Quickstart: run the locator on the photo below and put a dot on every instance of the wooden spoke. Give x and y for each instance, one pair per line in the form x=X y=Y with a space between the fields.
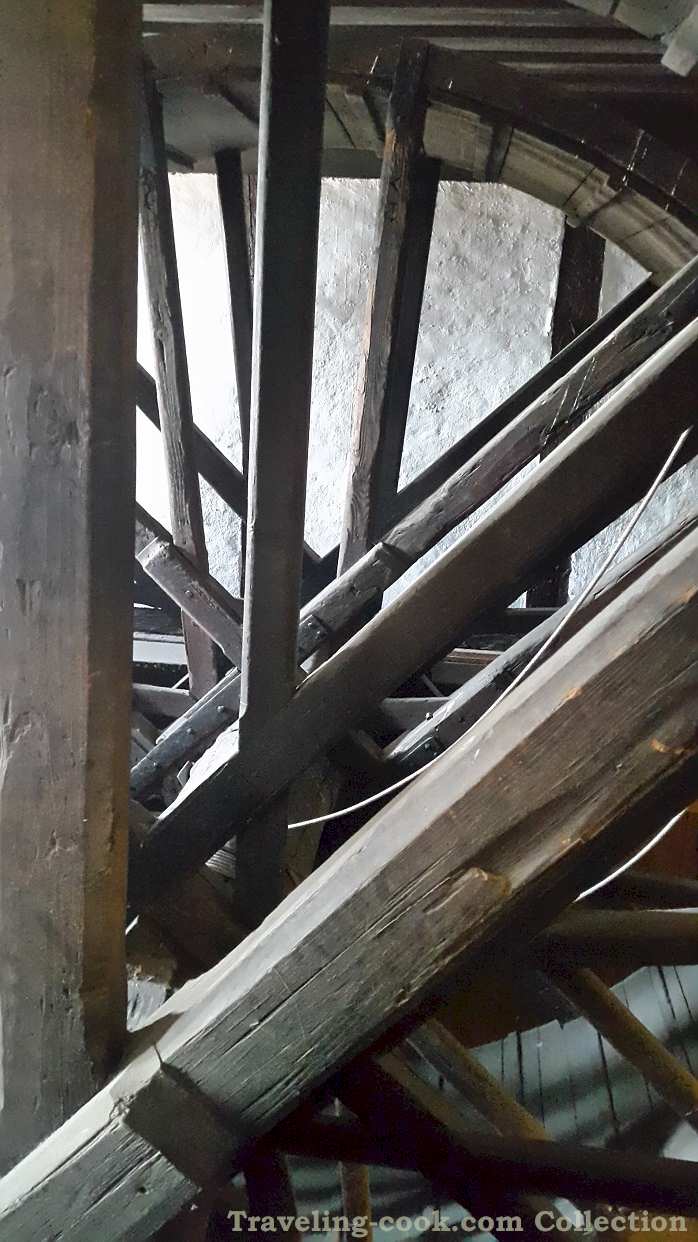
x=642 y=889
x=174 y=397
x=614 y=461
x=68 y=244
x=231 y=194
x=408 y=189
x=293 y=100
x=621 y=1028
x=406 y=899
x=200 y=597
x=632 y=938
x=456 y=714
x=576 y=308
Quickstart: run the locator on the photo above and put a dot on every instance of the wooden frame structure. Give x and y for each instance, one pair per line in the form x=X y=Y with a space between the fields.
x=305 y=685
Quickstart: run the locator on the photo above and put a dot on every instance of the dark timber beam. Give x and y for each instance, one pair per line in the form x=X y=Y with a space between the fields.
x=450 y=719
x=592 y=477
x=558 y=784
x=294 y=62
x=632 y=937
x=637 y=889
x=329 y=615
x=200 y=597
x=172 y=376
x=68 y=249
x=408 y=188
x=576 y=308
x=670 y=1079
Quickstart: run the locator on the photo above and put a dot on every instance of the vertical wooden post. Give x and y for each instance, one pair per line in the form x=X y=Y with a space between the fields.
x=68 y=237
x=576 y=308
x=238 y=238
x=409 y=184
x=172 y=375
x=294 y=62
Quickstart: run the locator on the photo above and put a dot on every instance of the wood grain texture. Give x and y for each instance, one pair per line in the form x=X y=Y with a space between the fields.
x=232 y=201
x=503 y=828
x=68 y=238
x=600 y=470
x=407 y=201
x=294 y=63
x=577 y=297
x=172 y=375
x=217 y=613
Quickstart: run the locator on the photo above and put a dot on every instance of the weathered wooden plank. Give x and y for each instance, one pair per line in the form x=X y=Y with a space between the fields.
x=507 y=823
x=68 y=238
x=172 y=376
x=161 y=700
x=217 y=613
x=669 y=1077
x=632 y=938
x=294 y=61
x=600 y=470
x=576 y=308
x=451 y=719
x=407 y=202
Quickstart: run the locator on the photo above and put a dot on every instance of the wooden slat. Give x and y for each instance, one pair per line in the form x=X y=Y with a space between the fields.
x=68 y=239
x=638 y=889
x=451 y=719
x=231 y=195
x=407 y=202
x=556 y=786
x=172 y=376
x=200 y=597
x=576 y=308
x=288 y=209
x=600 y=470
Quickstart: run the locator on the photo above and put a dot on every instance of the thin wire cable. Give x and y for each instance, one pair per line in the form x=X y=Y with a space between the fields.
x=535 y=658
x=649 y=845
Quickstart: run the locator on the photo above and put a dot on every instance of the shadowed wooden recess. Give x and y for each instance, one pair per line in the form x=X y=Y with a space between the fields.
x=318 y=945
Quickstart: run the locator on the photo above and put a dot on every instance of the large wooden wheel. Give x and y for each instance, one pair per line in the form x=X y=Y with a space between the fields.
x=327 y=945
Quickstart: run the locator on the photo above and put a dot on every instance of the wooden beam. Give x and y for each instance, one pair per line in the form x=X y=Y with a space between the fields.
x=294 y=61
x=600 y=470
x=632 y=937
x=676 y=1086
x=644 y=890
x=231 y=196
x=68 y=248
x=200 y=597
x=452 y=718
x=161 y=700
x=172 y=376
x=631 y=1178
x=332 y=612
x=434 y=878
x=579 y=279
x=408 y=188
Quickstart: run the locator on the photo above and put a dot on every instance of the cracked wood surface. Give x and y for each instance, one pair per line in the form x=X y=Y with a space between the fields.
x=494 y=836
x=68 y=238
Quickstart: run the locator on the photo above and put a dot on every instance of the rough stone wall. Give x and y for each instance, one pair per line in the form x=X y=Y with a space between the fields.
x=485 y=329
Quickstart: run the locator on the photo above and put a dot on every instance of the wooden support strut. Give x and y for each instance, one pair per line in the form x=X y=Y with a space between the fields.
x=333 y=610
x=174 y=397
x=427 y=885
x=577 y=298
x=615 y=462
x=68 y=249
x=452 y=718
x=294 y=62
x=632 y=938
x=408 y=188
x=217 y=613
